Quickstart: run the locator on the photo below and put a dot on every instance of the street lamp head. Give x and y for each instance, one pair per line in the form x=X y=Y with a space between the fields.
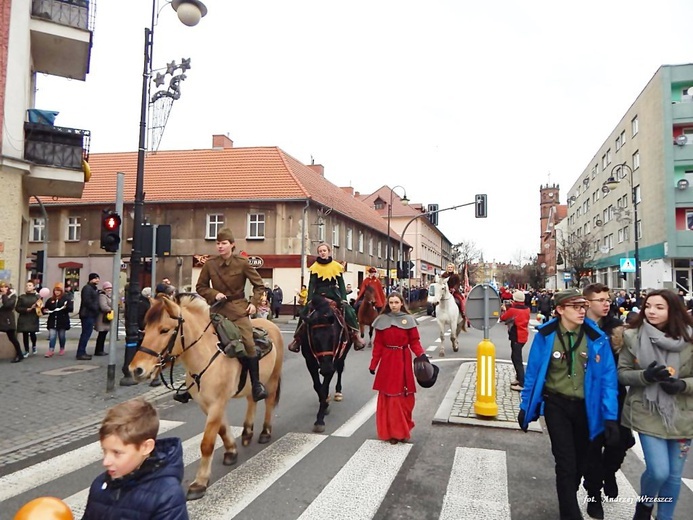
x=404 y=200
x=610 y=184
x=189 y=11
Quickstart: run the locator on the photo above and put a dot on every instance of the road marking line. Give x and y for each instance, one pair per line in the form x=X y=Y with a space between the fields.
x=356 y=421
x=191 y=453
x=232 y=493
x=52 y=469
x=478 y=486
x=621 y=509
x=359 y=488
x=431 y=348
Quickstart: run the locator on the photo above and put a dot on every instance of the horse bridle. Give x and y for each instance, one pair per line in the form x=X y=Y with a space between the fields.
x=337 y=351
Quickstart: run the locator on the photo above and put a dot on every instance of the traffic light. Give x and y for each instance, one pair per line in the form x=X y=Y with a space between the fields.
x=624 y=276
x=110 y=231
x=480 y=206
x=36 y=265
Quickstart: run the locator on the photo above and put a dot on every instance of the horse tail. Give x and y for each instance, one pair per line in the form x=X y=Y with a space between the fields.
x=277 y=394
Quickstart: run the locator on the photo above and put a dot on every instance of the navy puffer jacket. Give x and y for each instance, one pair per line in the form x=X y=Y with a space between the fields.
x=152 y=492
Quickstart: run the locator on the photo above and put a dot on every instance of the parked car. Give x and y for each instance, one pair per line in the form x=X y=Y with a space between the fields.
x=432 y=301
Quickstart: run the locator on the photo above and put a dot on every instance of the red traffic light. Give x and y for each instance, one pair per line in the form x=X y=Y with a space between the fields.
x=111 y=222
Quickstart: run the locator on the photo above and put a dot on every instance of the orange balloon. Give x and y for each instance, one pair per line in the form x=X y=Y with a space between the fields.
x=44 y=508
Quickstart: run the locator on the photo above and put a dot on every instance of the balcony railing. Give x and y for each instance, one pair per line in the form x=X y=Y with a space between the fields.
x=74 y=13
x=56 y=146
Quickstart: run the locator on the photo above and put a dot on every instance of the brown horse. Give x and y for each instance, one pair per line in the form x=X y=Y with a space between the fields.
x=367 y=313
x=183 y=330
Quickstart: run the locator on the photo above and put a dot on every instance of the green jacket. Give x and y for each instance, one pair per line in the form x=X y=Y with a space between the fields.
x=636 y=415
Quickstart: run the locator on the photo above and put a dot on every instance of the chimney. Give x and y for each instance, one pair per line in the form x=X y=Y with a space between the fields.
x=348 y=190
x=317 y=168
x=221 y=142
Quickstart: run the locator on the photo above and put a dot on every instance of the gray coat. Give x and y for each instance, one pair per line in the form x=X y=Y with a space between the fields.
x=636 y=414
x=28 y=320
x=105 y=305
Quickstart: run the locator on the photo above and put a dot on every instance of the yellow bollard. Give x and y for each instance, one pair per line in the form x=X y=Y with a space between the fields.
x=485 y=403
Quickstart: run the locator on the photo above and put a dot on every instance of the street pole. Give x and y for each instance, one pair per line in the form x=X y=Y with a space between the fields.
x=115 y=294
x=387 y=253
x=635 y=232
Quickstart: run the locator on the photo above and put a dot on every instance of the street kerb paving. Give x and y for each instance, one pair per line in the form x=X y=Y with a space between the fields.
x=458 y=404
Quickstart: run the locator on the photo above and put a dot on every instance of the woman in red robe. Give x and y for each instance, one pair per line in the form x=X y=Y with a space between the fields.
x=396 y=338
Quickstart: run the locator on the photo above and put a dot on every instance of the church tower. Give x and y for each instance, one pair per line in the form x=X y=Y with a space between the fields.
x=547 y=234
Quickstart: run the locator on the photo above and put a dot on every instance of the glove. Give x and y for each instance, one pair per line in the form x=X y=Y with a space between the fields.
x=612 y=433
x=372 y=371
x=673 y=386
x=521 y=420
x=655 y=372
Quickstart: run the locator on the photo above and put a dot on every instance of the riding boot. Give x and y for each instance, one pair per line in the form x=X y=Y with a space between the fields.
x=295 y=345
x=356 y=339
x=259 y=391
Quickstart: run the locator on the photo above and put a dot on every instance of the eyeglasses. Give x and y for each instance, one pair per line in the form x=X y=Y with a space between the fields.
x=601 y=300
x=578 y=306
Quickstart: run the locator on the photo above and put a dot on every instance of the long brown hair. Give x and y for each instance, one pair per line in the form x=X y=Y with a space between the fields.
x=679 y=322
x=386 y=307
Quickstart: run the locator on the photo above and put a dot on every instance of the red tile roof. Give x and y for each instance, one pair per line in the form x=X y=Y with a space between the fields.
x=228 y=174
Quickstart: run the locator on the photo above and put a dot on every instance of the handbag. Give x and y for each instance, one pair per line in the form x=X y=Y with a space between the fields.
x=108 y=316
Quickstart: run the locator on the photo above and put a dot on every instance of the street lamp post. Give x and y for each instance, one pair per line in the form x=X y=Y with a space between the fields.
x=611 y=183
x=405 y=201
x=189 y=13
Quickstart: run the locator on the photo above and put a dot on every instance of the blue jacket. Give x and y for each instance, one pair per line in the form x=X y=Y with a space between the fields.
x=151 y=492
x=601 y=382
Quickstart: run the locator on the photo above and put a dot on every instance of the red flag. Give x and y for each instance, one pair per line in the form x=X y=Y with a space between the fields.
x=467 y=287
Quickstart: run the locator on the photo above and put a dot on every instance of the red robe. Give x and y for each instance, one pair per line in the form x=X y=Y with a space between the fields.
x=395 y=381
x=377 y=290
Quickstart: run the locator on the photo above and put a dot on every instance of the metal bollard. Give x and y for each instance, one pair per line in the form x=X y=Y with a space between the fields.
x=485 y=403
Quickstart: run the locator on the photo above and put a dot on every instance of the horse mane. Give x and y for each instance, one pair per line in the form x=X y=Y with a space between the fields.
x=189 y=301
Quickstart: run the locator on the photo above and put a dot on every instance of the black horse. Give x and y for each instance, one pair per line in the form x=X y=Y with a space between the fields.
x=324 y=345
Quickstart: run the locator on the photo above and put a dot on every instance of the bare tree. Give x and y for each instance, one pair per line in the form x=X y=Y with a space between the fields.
x=577 y=253
x=467 y=253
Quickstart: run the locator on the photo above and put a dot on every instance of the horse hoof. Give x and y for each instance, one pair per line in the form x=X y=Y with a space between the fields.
x=441 y=354
x=230 y=458
x=455 y=348
x=264 y=438
x=195 y=492
x=318 y=428
x=245 y=439
x=338 y=397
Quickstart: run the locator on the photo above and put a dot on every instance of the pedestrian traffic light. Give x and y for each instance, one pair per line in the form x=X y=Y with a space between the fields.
x=480 y=206
x=110 y=231
x=623 y=275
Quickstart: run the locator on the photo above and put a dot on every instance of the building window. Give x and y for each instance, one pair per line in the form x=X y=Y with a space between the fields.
x=689 y=220
x=360 y=242
x=321 y=232
x=74 y=229
x=618 y=143
x=370 y=246
x=335 y=235
x=634 y=126
x=620 y=236
x=379 y=204
x=608 y=157
x=626 y=233
x=637 y=194
x=638 y=229
x=256 y=226
x=37 y=230
x=623 y=138
x=380 y=249
x=350 y=239
x=595 y=170
x=595 y=196
x=636 y=160
x=215 y=221
x=604 y=162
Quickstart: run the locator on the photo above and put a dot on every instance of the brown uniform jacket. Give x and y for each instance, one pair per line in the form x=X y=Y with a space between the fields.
x=229 y=277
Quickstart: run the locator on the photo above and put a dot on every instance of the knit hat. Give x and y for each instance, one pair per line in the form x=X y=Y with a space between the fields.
x=107 y=285
x=146 y=292
x=93 y=276
x=372 y=270
x=519 y=296
x=58 y=286
x=568 y=295
x=225 y=234
x=161 y=287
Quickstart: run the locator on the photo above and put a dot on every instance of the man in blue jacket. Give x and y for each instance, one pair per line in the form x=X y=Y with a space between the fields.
x=571 y=380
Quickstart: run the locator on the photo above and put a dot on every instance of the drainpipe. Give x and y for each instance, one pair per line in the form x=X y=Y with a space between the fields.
x=44 y=276
x=304 y=259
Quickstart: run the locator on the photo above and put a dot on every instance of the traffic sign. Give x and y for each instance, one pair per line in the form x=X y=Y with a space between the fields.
x=627 y=265
x=567 y=276
x=475 y=306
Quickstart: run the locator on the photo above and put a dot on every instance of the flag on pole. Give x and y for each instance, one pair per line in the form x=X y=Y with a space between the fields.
x=467 y=287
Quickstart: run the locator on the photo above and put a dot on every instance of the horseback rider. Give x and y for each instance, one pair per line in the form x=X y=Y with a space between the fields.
x=454 y=283
x=228 y=273
x=373 y=282
x=326 y=279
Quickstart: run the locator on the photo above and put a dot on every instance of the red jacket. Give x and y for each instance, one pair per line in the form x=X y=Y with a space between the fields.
x=395 y=371
x=520 y=312
x=377 y=289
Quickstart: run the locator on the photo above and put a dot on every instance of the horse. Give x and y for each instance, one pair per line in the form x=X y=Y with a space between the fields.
x=367 y=313
x=325 y=344
x=183 y=330
x=447 y=314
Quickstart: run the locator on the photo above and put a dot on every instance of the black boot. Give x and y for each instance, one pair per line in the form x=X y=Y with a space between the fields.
x=642 y=512
x=128 y=379
x=610 y=485
x=594 y=506
x=259 y=391
x=295 y=345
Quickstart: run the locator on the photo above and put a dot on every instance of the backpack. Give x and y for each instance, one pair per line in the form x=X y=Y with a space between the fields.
x=229 y=335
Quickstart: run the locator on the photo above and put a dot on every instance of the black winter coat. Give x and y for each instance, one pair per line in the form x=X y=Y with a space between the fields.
x=152 y=492
x=7 y=320
x=89 y=307
x=28 y=320
x=58 y=311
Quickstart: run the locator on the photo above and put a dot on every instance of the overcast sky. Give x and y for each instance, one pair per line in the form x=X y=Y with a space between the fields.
x=447 y=98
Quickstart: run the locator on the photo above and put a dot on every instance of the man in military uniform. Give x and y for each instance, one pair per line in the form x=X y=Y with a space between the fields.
x=228 y=274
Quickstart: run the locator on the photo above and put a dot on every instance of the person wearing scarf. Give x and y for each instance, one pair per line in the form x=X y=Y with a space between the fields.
x=326 y=279
x=396 y=337
x=58 y=309
x=656 y=364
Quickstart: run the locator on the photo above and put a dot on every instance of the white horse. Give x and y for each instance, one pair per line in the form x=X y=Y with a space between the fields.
x=447 y=313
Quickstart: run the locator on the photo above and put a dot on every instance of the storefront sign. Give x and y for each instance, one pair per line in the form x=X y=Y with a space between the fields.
x=256 y=261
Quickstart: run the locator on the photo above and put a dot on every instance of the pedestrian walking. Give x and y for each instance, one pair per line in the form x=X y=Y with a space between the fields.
x=8 y=325
x=277 y=300
x=58 y=309
x=656 y=366
x=571 y=372
x=603 y=461
x=517 y=319
x=28 y=308
x=143 y=474
x=88 y=314
x=396 y=338
x=103 y=322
